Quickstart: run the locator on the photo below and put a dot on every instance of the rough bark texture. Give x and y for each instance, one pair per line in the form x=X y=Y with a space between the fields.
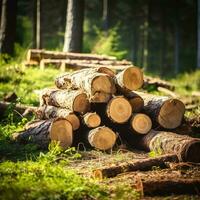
x=8 y=26
x=40 y=133
x=142 y=165
x=74 y=100
x=74 y=26
x=87 y=79
x=38 y=54
x=186 y=148
x=168 y=186
x=48 y=112
x=164 y=111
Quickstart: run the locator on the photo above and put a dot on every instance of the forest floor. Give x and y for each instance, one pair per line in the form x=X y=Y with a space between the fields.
x=29 y=173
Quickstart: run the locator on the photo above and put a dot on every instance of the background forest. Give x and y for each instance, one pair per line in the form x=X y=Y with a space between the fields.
x=158 y=35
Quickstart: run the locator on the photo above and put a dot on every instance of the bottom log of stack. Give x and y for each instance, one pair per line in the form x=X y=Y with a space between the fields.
x=186 y=148
x=42 y=132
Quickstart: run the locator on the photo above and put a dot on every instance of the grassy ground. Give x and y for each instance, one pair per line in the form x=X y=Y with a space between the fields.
x=28 y=173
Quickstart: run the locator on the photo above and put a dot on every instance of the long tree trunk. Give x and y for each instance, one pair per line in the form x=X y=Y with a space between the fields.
x=38 y=24
x=186 y=148
x=74 y=26
x=105 y=16
x=8 y=26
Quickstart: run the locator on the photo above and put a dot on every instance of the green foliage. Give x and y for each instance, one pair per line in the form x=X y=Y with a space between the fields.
x=110 y=44
x=25 y=82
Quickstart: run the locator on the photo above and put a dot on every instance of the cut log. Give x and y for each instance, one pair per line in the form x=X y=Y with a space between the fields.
x=48 y=112
x=130 y=78
x=102 y=138
x=164 y=111
x=119 y=110
x=18 y=108
x=186 y=148
x=87 y=79
x=157 y=82
x=134 y=99
x=91 y=120
x=38 y=54
x=10 y=97
x=140 y=123
x=44 y=131
x=142 y=165
x=74 y=100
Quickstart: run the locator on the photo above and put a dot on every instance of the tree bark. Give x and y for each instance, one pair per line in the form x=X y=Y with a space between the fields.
x=130 y=78
x=48 y=112
x=142 y=165
x=38 y=24
x=44 y=131
x=185 y=147
x=164 y=111
x=74 y=100
x=89 y=80
x=8 y=26
x=74 y=26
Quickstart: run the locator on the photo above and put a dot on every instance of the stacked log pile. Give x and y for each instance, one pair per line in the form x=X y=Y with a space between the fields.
x=96 y=107
x=62 y=60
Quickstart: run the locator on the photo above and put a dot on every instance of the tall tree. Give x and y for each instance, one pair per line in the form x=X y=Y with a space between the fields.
x=105 y=15
x=74 y=26
x=198 y=34
x=8 y=26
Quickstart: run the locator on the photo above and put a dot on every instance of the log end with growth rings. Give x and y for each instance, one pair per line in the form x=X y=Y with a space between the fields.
x=103 y=83
x=141 y=123
x=133 y=78
x=61 y=132
x=81 y=103
x=74 y=120
x=102 y=138
x=92 y=120
x=119 y=109
x=171 y=114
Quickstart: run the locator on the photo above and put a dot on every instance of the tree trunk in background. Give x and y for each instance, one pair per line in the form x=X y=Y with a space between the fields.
x=177 y=38
x=74 y=26
x=0 y=9
x=38 y=24
x=198 y=34
x=105 y=16
x=163 y=42
x=8 y=26
x=146 y=33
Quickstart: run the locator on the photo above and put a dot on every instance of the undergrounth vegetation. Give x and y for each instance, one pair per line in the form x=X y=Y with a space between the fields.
x=29 y=173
